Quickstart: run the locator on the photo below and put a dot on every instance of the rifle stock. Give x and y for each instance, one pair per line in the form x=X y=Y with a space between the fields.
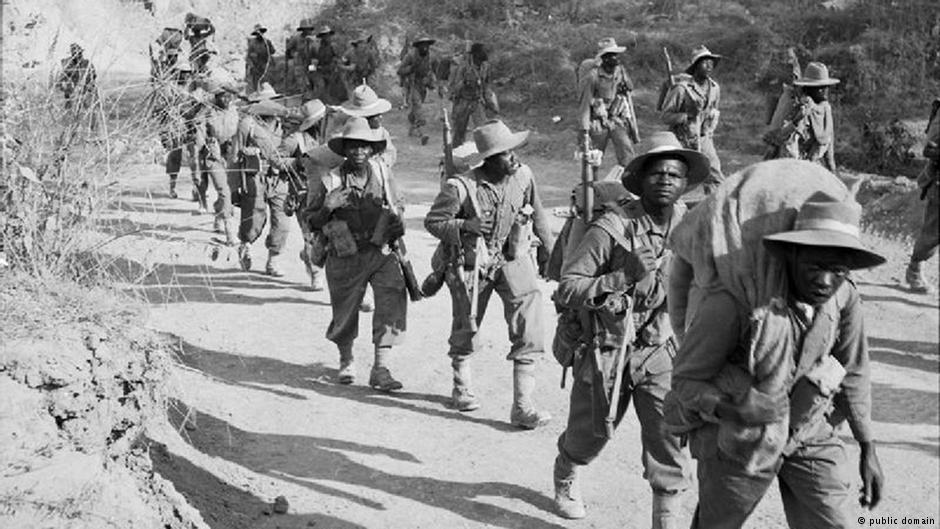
x=448 y=139
x=407 y=270
x=587 y=179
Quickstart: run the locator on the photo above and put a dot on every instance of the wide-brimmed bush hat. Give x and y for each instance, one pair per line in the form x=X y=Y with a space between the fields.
x=324 y=31
x=823 y=221
x=265 y=92
x=312 y=112
x=662 y=144
x=698 y=54
x=306 y=23
x=424 y=39
x=259 y=29
x=608 y=45
x=494 y=137
x=365 y=102
x=267 y=108
x=816 y=74
x=357 y=128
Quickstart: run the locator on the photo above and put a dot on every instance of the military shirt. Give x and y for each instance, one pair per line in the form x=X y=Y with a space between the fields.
x=416 y=70
x=719 y=330
x=595 y=270
x=690 y=110
x=502 y=201
x=470 y=81
x=599 y=84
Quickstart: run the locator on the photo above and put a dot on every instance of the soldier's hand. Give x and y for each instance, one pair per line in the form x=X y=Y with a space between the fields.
x=760 y=408
x=478 y=225
x=639 y=264
x=336 y=199
x=396 y=228
x=872 y=476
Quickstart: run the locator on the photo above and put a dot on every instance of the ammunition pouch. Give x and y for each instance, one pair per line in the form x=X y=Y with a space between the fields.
x=317 y=248
x=341 y=240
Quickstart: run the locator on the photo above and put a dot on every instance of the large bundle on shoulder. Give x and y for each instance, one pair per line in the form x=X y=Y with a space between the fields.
x=719 y=246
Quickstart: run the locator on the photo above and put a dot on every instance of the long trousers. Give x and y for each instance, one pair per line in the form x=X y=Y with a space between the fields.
x=814 y=486
x=347 y=279
x=666 y=465
x=516 y=285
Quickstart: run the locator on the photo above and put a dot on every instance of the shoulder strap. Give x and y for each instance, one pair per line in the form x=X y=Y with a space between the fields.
x=331 y=179
x=616 y=234
x=469 y=188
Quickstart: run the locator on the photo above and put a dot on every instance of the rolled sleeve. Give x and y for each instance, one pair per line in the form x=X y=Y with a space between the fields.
x=441 y=221
x=585 y=276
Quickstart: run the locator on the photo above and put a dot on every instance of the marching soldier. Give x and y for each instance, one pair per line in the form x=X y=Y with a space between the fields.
x=79 y=84
x=485 y=219
x=300 y=53
x=690 y=110
x=418 y=76
x=358 y=210
x=606 y=110
x=259 y=58
x=807 y=133
x=617 y=273
x=329 y=75
x=305 y=139
x=925 y=246
x=214 y=128
x=471 y=93
x=260 y=189
x=172 y=107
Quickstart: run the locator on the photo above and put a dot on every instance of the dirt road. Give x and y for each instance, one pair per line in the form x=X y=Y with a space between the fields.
x=258 y=415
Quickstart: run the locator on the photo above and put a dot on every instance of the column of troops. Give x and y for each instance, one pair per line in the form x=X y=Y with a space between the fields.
x=747 y=364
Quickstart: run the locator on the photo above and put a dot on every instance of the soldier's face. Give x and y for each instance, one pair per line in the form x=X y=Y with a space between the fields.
x=375 y=121
x=423 y=49
x=704 y=67
x=817 y=93
x=816 y=272
x=664 y=181
x=502 y=164
x=609 y=61
x=357 y=151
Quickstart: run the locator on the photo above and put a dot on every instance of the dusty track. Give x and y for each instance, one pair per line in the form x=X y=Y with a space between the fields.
x=258 y=414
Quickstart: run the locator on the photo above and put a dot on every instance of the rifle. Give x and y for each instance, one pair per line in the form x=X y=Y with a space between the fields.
x=474 y=292
x=407 y=271
x=587 y=179
x=296 y=190
x=448 y=168
x=668 y=83
x=397 y=246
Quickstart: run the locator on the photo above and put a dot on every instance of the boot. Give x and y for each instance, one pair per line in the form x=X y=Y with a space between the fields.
x=915 y=278
x=666 y=509
x=462 y=397
x=173 y=189
x=273 y=268
x=523 y=414
x=347 y=366
x=231 y=230
x=381 y=378
x=568 y=502
x=244 y=256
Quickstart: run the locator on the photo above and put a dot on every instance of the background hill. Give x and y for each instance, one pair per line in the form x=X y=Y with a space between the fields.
x=887 y=54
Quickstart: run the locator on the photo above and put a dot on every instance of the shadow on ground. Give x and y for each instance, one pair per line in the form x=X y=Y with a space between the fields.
x=268 y=374
x=316 y=462
x=224 y=506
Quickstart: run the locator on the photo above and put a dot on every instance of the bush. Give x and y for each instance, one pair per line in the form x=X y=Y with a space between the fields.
x=58 y=175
